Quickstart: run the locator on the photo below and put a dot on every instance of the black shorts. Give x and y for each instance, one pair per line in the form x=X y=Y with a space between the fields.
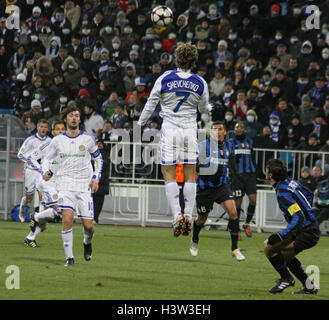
x=205 y=199
x=246 y=184
x=307 y=238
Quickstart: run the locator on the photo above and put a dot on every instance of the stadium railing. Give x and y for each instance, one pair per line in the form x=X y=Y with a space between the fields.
x=137 y=194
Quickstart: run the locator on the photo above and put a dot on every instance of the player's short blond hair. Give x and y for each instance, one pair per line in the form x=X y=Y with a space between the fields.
x=186 y=56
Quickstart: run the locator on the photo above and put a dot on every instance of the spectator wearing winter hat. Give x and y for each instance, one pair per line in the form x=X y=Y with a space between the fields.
x=306 y=111
x=305 y=56
x=253 y=126
x=222 y=53
x=296 y=131
x=134 y=97
x=36 y=20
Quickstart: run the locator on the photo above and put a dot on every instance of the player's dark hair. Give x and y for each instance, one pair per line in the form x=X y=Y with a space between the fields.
x=56 y=122
x=69 y=110
x=42 y=121
x=218 y=122
x=187 y=56
x=278 y=169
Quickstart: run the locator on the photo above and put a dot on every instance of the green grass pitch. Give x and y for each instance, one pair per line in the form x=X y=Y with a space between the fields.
x=135 y=263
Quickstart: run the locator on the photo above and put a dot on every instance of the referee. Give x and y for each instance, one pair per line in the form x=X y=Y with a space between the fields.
x=301 y=233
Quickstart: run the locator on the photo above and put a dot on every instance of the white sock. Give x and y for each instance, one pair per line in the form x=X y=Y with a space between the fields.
x=23 y=202
x=87 y=236
x=189 y=192
x=67 y=237
x=32 y=235
x=45 y=215
x=172 y=193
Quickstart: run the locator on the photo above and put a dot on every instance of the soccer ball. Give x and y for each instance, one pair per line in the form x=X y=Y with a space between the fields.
x=161 y=16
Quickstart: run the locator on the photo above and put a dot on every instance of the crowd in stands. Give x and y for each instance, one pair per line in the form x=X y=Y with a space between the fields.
x=262 y=63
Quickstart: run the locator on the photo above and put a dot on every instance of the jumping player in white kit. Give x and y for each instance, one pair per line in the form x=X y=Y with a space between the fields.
x=76 y=179
x=180 y=93
x=48 y=209
x=31 y=173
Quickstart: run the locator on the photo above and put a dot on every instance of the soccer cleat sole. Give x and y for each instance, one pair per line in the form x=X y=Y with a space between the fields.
x=187 y=228
x=178 y=228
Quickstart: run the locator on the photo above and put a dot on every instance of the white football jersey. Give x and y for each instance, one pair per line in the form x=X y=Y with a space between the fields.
x=180 y=94
x=73 y=154
x=31 y=145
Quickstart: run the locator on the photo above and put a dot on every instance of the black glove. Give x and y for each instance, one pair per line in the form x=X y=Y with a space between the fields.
x=274 y=238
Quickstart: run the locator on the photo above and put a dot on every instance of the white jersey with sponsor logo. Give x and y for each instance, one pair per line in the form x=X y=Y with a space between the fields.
x=180 y=93
x=73 y=154
x=31 y=144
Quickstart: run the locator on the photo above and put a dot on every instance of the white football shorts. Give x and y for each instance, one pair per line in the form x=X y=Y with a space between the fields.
x=79 y=202
x=178 y=144
x=31 y=180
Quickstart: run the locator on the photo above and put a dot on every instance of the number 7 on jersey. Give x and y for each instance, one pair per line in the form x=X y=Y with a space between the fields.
x=185 y=96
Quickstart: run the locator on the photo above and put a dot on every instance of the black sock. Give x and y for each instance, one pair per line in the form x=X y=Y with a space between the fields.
x=233 y=227
x=239 y=214
x=296 y=268
x=279 y=265
x=196 y=231
x=250 y=212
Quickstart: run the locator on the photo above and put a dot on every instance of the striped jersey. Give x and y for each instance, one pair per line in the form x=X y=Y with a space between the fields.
x=215 y=164
x=180 y=93
x=74 y=158
x=31 y=145
x=243 y=150
x=295 y=201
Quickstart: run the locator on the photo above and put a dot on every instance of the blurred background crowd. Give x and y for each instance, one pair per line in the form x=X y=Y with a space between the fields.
x=263 y=64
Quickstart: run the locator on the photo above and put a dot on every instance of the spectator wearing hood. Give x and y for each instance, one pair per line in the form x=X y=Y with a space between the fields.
x=183 y=28
x=48 y=7
x=72 y=73
x=129 y=77
x=166 y=61
x=45 y=70
x=305 y=56
x=253 y=126
x=54 y=45
x=213 y=15
x=288 y=88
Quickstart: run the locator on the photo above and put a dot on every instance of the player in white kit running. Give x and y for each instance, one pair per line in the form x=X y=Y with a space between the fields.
x=48 y=209
x=76 y=179
x=180 y=93
x=31 y=173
